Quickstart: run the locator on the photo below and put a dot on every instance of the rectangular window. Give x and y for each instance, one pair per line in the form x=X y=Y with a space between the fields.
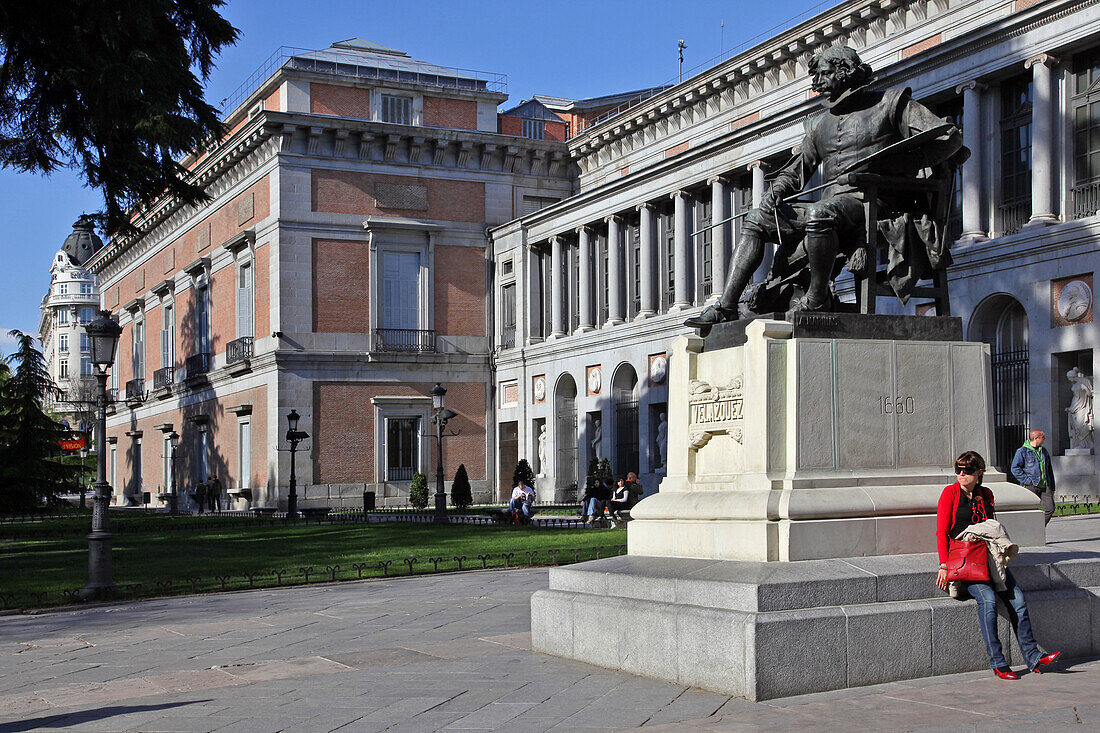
x=575 y=291
x=202 y=320
x=604 y=244
x=668 y=259
x=63 y=288
x=1015 y=207
x=1086 y=135
x=402 y=447
x=135 y=487
x=508 y=316
x=84 y=342
x=400 y=280
x=87 y=315
x=202 y=454
x=705 y=244
x=139 y=349
x=533 y=129
x=86 y=367
x=167 y=336
x=85 y=288
x=244 y=453
x=244 y=300
x=397 y=110
x=63 y=315
x=635 y=269
x=63 y=341
x=166 y=464
x=506 y=268
x=113 y=473
x=531 y=204
x=63 y=369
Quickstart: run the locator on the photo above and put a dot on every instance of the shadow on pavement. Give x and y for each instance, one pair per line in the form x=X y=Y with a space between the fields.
x=65 y=720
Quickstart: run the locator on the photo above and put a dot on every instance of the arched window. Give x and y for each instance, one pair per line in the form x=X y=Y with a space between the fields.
x=1001 y=321
x=565 y=437
x=624 y=390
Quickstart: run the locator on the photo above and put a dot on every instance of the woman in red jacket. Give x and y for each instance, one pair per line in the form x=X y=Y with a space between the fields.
x=967 y=502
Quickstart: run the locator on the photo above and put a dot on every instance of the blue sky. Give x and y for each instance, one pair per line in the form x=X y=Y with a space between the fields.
x=565 y=48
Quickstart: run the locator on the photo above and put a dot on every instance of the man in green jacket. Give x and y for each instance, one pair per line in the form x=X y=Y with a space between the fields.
x=1031 y=467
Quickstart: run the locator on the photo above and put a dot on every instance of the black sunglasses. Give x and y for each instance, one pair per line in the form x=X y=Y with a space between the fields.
x=968 y=470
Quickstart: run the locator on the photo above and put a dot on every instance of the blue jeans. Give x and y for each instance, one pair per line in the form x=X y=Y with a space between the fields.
x=1013 y=598
x=519 y=505
x=594 y=507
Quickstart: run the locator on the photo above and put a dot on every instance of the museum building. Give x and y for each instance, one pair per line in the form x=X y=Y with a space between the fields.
x=589 y=292
x=340 y=269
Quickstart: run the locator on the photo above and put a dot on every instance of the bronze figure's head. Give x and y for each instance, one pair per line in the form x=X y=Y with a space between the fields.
x=838 y=69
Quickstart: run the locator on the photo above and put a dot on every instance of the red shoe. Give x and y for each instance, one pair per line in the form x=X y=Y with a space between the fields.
x=1006 y=674
x=1043 y=661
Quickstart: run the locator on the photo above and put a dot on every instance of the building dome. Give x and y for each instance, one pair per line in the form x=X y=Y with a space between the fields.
x=83 y=242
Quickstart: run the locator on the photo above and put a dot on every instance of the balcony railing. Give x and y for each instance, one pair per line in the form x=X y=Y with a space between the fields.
x=399 y=473
x=135 y=390
x=1086 y=200
x=112 y=395
x=508 y=338
x=197 y=365
x=1012 y=217
x=409 y=340
x=163 y=377
x=239 y=350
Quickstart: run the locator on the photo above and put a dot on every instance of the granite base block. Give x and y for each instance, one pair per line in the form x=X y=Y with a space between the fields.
x=765 y=630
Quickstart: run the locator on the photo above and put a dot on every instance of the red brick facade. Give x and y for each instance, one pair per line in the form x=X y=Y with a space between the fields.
x=920 y=46
x=343 y=429
x=350 y=192
x=557 y=131
x=510 y=126
x=341 y=302
x=330 y=99
x=460 y=291
x=456 y=113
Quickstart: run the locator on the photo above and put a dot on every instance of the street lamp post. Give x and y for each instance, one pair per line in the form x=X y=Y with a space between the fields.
x=294 y=436
x=440 y=417
x=83 y=483
x=173 y=498
x=103 y=335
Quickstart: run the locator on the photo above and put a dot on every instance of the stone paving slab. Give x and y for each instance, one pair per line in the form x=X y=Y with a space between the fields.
x=434 y=653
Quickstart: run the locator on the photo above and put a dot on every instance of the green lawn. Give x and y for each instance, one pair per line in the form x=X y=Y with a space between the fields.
x=45 y=562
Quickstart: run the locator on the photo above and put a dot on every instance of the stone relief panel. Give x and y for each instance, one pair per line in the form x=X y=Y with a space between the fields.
x=715 y=411
x=594 y=379
x=538 y=389
x=1071 y=300
x=658 y=369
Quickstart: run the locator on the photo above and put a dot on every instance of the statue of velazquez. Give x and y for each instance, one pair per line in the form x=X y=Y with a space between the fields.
x=861 y=131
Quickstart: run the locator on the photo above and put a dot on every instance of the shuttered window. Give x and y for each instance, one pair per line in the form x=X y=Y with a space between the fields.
x=397 y=110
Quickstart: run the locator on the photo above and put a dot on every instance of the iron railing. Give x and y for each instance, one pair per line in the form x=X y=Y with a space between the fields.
x=349 y=64
x=508 y=338
x=1011 y=411
x=163 y=377
x=239 y=350
x=1012 y=217
x=135 y=390
x=197 y=365
x=399 y=473
x=1086 y=200
x=413 y=340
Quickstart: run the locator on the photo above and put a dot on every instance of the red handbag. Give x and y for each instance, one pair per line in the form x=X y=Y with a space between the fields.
x=968 y=560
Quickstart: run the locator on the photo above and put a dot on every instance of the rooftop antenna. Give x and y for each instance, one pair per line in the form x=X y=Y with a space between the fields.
x=680 y=45
x=723 y=38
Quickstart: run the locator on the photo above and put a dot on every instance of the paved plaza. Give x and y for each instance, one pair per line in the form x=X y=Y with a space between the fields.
x=444 y=652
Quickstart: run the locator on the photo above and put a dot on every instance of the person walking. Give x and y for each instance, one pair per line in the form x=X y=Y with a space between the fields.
x=214 y=494
x=200 y=495
x=1031 y=467
x=963 y=504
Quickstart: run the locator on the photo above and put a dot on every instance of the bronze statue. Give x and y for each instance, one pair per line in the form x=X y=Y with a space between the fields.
x=866 y=143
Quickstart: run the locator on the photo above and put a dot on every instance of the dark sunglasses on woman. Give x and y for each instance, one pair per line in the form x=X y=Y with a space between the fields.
x=968 y=470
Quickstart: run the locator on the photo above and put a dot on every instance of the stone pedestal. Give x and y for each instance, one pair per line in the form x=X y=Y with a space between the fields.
x=804 y=439
x=806 y=457
x=1075 y=473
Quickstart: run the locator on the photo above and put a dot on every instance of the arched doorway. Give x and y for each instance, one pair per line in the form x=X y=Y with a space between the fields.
x=1001 y=321
x=565 y=436
x=624 y=392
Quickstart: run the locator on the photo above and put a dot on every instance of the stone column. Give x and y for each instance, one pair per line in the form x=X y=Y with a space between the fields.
x=681 y=242
x=557 y=288
x=757 y=169
x=647 y=234
x=584 y=251
x=1042 y=140
x=719 y=210
x=614 y=271
x=972 y=227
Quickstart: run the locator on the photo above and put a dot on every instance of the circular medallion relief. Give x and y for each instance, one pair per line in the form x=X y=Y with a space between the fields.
x=540 y=388
x=1074 y=300
x=595 y=380
x=658 y=369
